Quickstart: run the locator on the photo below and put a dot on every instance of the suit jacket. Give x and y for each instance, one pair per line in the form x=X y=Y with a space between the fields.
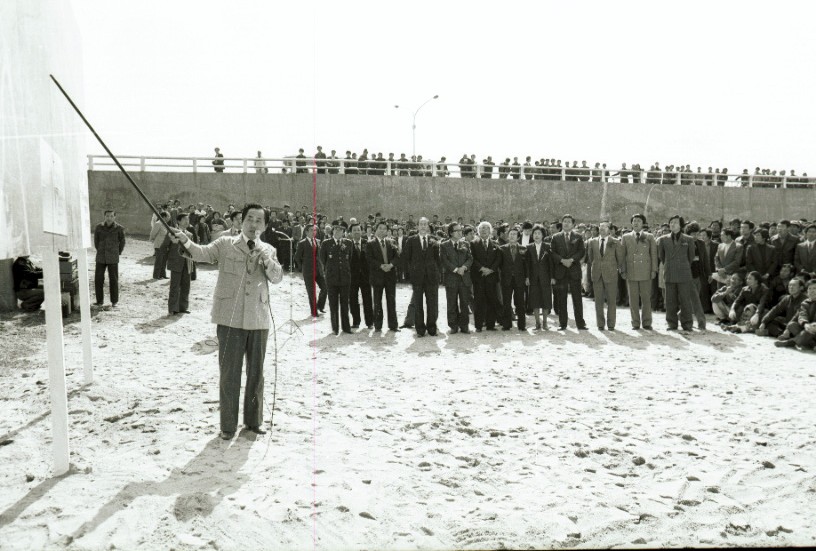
x=336 y=259
x=540 y=267
x=677 y=257
x=376 y=276
x=175 y=261
x=424 y=266
x=109 y=242
x=805 y=258
x=559 y=252
x=307 y=259
x=762 y=258
x=455 y=255
x=241 y=297
x=728 y=257
x=359 y=264
x=485 y=255
x=787 y=308
x=807 y=312
x=640 y=256
x=513 y=268
x=785 y=248
x=706 y=262
x=606 y=267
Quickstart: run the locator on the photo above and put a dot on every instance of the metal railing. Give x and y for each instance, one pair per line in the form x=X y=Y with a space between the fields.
x=429 y=168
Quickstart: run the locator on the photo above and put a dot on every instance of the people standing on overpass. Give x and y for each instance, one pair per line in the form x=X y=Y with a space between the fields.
x=218 y=162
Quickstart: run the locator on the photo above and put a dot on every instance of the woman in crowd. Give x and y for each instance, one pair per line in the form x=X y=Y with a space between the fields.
x=750 y=306
x=541 y=274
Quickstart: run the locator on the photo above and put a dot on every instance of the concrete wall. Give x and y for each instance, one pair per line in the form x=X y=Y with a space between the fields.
x=471 y=198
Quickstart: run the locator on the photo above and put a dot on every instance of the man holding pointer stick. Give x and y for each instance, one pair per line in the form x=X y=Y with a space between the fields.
x=241 y=311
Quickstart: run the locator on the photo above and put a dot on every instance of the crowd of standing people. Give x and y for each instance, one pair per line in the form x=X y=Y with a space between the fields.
x=497 y=274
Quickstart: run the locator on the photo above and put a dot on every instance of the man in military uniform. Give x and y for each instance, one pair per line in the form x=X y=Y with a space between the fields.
x=335 y=256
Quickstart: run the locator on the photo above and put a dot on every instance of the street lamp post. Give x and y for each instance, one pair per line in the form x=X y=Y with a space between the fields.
x=413 y=124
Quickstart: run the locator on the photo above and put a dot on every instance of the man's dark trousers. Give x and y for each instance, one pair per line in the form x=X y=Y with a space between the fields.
x=517 y=289
x=390 y=305
x=679 y=294
x=573 y=287
x=99 y=282
x=361 y=288
x=458 y=298
x=339 y=293
x=430 y=291
x=310 y=290
x=233 y=344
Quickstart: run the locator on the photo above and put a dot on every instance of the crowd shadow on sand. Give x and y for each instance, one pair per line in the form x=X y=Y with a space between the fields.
x=200 y=485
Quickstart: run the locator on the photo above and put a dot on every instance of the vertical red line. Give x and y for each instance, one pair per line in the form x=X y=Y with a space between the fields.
x=314 y=361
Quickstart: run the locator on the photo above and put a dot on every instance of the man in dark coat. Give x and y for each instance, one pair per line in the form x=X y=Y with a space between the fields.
x=514 y=280
x=677 y=251
x=485 y=276
x=109 y=241
x=422 y=261
x=382 y=257
x=180 y=268
x=335 y=255
x=568 y=250
x=307 y=257
x=359 y=280
x=456 y=264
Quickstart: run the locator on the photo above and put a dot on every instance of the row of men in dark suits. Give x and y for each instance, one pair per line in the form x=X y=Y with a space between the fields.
x=530 y=277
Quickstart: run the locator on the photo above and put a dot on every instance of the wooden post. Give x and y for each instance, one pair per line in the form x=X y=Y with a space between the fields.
x=56 y=361
x=85 y=311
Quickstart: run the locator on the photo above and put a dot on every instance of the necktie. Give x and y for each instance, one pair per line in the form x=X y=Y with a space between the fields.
x=513 y=252
x=567 y=241
x=384 y=252
x=603 y=242
x=251 y=244
x=424 y=245
x=638 y=236
x=357 y=244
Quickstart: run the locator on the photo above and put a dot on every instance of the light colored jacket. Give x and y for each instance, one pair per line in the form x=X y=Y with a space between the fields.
x=640 y=256
x=241 y=297
x=157 y=234
x=605 y=267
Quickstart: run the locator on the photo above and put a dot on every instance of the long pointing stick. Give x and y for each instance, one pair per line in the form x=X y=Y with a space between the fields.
x=112 y=156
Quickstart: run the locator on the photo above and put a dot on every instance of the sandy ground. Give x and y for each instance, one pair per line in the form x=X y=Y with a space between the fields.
x=389 y=441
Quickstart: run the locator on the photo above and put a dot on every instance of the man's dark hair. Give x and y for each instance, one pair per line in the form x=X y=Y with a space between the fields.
x=691 y=227
x=381 y=223
x=786 y=222
x=540 y=228
x=571 y=217
x=679 y=219
x=450 y=228
x=708 y=232
x=748 y=223
x=527 y=225
x=235 y=214
x=181 y=215
x=729 y=232
x=249 y=206
x=111 y=211
x=164 y=214
x=764 y=233
x=735 y=221
x=351 y=227
x=638 y=215
x=513 y=229
x=811 y=226
x=467 y=229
